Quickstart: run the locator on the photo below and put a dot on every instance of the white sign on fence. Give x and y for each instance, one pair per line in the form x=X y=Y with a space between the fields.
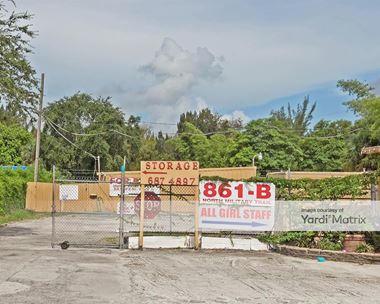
x=129 y=208
x=68 y=192
x=130 y=189
x=236 y=206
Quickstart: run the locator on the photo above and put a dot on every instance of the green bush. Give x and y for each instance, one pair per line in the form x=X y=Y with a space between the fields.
x=293 y=238
x=365 y=247
x=13 y=185
x=330 y=240
x=308 y=239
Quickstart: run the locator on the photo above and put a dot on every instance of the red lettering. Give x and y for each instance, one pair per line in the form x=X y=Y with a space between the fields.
x=195 y=166
x=186 y=166
x=161 y=165
x=147 y=165
x=154 y=165
x=263 y=191
x=170 y=166
x=178 y=167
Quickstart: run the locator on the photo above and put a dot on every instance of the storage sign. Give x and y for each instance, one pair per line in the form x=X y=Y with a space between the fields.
x=169 y=173
x=236 y=206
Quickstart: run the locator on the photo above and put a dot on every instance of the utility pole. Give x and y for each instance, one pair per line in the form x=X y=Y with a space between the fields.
x=98 y=158
x=38 y=138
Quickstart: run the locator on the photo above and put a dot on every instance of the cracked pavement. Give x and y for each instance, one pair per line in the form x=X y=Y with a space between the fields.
x=32 y=272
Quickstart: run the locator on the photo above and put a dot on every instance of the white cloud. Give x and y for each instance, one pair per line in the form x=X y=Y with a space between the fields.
x=176 y=72
x=272 y=48
x=235 y=115
x=201 y=104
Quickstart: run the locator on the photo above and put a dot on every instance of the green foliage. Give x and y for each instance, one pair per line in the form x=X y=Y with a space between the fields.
x=327 y=147
x=192 y=143
x=296 y=238
x=107 y=134
x=206 y=121
x=298 y=120
x=17 y=76
x=367 y=107
x=330 y=240
x=365 y=247
x=15 y=145
x=369 y=110
x=280 y=150
x=308 y=239
x=355 y=88
x=375 y=238
x=13 y=188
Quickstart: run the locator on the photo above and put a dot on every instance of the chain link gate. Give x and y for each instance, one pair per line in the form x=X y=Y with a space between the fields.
x=84 y=214
x=87 y=213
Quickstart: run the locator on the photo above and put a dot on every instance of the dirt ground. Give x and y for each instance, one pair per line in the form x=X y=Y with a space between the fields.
x=32 y=272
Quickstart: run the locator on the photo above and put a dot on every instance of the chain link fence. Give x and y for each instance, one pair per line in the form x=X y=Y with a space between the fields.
x=95 y=213
x=168 y=209
x=84 y=214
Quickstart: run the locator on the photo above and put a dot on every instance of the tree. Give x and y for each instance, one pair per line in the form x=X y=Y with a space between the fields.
x=16 y=145
x=298 y=120
x=368 y=131
x=207 y=122
x=18 y=83
x=366 y=106
x=356 y=88
x=280 y=150
x=80 y=127
x=193 y=144
x=10 y=116
x=327 y=146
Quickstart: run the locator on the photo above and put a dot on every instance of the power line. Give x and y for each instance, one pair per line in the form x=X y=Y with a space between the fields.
x=232 y=130
x=68 y=140
x=88 y=134
x=158 y=123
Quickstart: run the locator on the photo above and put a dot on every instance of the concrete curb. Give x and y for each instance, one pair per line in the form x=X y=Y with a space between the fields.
x=183 y=242
x=339 y=256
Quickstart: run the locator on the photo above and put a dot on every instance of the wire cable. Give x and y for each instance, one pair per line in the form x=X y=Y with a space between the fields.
x=68 y=140
x=232 y=130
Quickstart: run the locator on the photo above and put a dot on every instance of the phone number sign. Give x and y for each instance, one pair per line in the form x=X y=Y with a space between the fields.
x=235 y=206
x=170 y=173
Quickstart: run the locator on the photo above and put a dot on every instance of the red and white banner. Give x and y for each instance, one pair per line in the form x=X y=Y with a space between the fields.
x=236 y=206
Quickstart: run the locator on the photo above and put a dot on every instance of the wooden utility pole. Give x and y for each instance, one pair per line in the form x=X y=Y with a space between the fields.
x=38 y=138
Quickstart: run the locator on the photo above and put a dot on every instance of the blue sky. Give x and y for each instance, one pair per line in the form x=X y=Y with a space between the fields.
x=241 y=58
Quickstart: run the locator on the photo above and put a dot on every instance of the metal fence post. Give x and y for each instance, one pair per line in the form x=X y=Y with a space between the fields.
x=196 y=218
x=170 y=209
x=142 y=209
x=121 y=208
x=53 y=210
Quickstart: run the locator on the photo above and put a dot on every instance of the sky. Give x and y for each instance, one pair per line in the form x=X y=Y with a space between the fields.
x=240 y=58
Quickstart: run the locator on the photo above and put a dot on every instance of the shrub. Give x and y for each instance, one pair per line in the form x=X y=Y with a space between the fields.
x=13 y=185
x=365 y=247
x=309 y=239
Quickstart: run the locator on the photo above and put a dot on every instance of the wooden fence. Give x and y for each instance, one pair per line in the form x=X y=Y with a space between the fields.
x=94 y=197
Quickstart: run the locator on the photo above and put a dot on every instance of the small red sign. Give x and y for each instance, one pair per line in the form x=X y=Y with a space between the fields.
x=152 y=205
